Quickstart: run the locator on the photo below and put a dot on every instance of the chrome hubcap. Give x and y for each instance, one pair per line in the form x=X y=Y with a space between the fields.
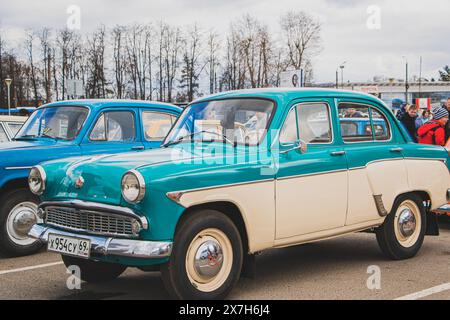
x=208 y=259
x=407 y=223
x=20 y=221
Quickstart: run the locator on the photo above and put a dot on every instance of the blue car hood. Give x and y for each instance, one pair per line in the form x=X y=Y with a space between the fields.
x=26 y=144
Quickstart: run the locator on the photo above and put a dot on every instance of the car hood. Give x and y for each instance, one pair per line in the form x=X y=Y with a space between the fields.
x=102 y=174
x=26 y=144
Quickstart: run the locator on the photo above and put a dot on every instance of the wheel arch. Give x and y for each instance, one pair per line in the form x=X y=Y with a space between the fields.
x=432 y=227
x=228 y=208
x=13 y=184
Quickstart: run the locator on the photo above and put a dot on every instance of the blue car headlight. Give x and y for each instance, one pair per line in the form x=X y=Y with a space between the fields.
x=36 y=180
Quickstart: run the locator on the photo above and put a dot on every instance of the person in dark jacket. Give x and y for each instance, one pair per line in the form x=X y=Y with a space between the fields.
x=407 y=116
x=447 y=127
x=433 y=132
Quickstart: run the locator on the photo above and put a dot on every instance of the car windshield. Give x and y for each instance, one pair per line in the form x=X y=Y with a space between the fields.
x=239 y=121
x=62 y=123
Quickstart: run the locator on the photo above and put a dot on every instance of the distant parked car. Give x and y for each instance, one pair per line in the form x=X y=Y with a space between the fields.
x=67 y=129
x=239 y=173
x=9 y=126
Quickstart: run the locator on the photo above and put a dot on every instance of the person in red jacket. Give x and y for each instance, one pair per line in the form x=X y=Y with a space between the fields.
x=433 y=132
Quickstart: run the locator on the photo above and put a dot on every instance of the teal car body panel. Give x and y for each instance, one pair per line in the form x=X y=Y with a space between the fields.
x=200 y=165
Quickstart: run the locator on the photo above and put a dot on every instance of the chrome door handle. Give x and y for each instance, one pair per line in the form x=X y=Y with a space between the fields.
x=338 y=153
x=138 y=148
x=396 y=149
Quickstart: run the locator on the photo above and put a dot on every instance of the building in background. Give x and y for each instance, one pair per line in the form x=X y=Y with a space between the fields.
x=392 y=92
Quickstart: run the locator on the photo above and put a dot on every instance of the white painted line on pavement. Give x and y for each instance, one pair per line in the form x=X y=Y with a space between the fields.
x=40 y=266
x=426 y=292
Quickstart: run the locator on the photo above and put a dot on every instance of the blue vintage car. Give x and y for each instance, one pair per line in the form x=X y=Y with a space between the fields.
x=67 y=129
x=239 y=173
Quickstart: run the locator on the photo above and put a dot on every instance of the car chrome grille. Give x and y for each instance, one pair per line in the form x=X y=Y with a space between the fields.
x=89 y=221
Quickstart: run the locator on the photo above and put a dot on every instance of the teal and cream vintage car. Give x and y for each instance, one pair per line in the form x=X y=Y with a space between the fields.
x=239 y=173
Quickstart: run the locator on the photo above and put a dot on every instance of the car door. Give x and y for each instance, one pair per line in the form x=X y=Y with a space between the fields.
x=311 y=186
x=155 y=126
x=115 y=130
x=376 y=165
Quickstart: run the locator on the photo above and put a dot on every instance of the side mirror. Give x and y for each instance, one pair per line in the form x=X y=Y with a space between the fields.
x=300 y=146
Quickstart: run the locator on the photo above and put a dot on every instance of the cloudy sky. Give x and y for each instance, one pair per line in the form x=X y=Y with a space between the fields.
x=410 y=28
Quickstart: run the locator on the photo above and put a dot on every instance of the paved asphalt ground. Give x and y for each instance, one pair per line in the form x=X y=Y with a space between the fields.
x=332 y=269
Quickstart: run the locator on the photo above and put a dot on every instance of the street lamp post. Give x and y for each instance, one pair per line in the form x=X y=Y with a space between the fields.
x=342 y=66
x=8 y=82
x=406 y=80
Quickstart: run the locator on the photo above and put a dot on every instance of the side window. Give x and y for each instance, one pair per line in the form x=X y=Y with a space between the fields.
x=314 y=123
x=309 y=122
x=156 y=125
x=114 y=126
x=3 y=136
x=358 y=120
x=289 y=132
x=14 y=127
x=381 y=126
x=355 y=122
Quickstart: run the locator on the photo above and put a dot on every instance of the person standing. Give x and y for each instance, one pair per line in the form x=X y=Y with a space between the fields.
x=433 y=132
x=424 y=118
x=447 y=127
x=407 y=116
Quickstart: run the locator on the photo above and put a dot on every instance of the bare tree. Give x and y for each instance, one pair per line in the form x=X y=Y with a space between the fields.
x=63 y=40
x=118 y=34
x=2 y=88
x=171 y=45
x=96 y=81
x=213 y=60
x=46 y=62
x=192 y=64
x=33 y=72
x=302 y=37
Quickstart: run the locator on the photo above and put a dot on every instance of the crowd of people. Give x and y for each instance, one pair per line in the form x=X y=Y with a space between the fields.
x=428 y=127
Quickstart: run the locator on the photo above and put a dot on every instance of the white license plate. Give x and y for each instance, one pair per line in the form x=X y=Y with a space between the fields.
x=77 y=247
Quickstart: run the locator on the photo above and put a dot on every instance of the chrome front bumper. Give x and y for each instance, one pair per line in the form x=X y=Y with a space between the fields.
x=110 y=246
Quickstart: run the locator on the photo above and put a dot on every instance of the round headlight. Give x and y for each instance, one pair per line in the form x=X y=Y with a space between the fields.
x=36 y=180
x=133 y=187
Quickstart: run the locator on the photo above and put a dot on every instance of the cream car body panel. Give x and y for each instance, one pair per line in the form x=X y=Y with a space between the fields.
x=256 y=202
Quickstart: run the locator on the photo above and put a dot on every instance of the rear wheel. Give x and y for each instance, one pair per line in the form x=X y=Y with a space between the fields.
x=207 y=257
x=18 y=214
x=94 y=271
x=402 y=234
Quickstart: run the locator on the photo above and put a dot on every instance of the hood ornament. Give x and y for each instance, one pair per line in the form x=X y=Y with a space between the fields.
x=79 y=183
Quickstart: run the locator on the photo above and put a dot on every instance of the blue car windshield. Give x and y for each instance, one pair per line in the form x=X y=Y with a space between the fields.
x=239 y=121
x=61 y=123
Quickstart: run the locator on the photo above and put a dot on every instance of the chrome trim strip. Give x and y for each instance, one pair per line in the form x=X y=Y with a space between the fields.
x=177 y=195
x=312 y=174
x=397 y=159
x=110 y=246
x=18 y=168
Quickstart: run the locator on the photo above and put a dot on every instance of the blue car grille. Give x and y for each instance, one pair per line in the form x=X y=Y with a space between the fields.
x=89 y=221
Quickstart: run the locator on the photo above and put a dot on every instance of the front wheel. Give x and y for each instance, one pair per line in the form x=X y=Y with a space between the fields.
x=207 y=257
x=18 y=214
x=402 y=234
x=95 y=271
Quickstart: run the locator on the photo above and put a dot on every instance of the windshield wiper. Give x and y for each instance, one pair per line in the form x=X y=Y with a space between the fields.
x=181 y=139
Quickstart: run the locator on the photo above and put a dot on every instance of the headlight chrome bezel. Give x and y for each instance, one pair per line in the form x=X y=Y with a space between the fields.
x=43 y=178
x=141 y=187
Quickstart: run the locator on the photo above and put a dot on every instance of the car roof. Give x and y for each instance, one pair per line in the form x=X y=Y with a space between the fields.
x=288 y=94
x=114 y=103
x=13 y=119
